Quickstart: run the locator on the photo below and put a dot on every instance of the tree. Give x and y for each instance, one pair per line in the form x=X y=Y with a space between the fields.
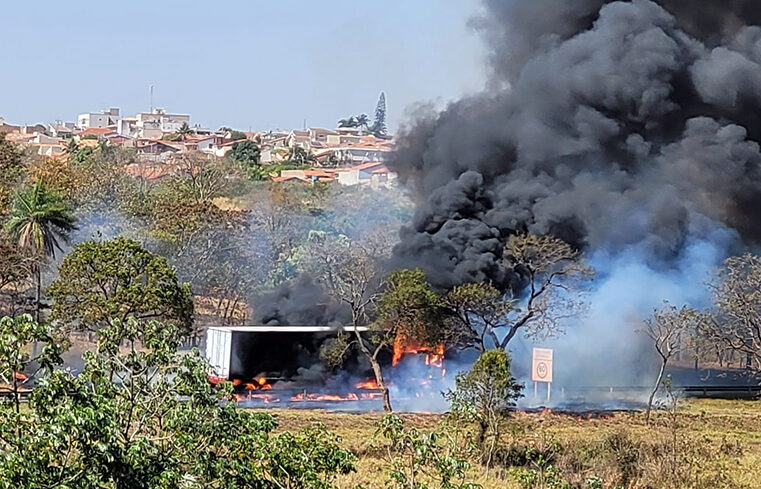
x=666 y=329
x=118 y=279
x=736 y=323
x=351 y=273
x=11 y=169
x=379 y=127
x=478 y=310
x=71 y=147
x=40 y=219
x=348 y=122
x=17 y=268
x=247 y=154
x=200 y=177
x=490 y=388
x=549 y=290
x=363 y=122
x=298 y=156
x=184 y=131
x=409 y=312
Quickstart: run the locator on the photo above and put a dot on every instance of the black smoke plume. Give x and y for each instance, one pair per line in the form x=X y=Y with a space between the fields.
x=300 y=302
x=611 y=125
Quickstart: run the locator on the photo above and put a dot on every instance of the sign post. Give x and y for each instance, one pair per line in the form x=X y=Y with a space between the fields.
x=541 y=369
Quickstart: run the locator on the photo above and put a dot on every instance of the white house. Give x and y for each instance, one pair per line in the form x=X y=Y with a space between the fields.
x=104 y=119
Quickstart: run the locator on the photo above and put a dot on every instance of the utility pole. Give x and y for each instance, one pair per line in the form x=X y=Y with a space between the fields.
x=151 y=111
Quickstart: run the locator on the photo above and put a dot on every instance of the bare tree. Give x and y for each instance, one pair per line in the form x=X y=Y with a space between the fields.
x=202 y=176
x=550 y=290
x=667 y=328
x=352 y=273
x=736 y=322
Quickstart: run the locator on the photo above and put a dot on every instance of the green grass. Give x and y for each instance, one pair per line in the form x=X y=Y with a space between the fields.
x=718 y=445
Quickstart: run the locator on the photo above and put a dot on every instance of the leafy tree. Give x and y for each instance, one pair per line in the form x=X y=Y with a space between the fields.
x=379 y=127
x=118 y=279
x=491 y=390
x=237 y=135
x=184 y=131
x=39 y=220
x=667 y=328
x=409 y=312
x=11 y=170
x=17 y=268
x=200 y=177
x=247 y=154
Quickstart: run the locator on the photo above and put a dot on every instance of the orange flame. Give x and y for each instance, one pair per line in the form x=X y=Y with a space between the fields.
x=259 y=384
x=324 y=397
x=434 y=357
x=368 y=384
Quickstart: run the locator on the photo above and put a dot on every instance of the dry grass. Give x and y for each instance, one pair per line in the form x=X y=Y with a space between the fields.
x=711 y=444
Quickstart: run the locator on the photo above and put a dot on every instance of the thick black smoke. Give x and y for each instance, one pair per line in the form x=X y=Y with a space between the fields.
x=300 y=302
x=607 y=124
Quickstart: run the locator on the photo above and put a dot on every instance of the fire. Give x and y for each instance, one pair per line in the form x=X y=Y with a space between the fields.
x=259 y=384
x=434 y=357
x=20 y=376
x=368 y=384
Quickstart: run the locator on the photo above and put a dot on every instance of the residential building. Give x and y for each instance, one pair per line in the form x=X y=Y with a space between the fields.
x=106 y=118
x=160 y=120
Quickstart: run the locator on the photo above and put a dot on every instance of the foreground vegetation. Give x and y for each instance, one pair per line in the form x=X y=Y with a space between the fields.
x=717 y=445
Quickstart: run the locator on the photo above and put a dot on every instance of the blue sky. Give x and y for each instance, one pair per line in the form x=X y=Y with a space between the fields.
x=245 y=63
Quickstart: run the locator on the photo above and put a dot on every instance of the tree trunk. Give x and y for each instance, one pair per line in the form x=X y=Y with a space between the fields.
x=655 y=390
x=376 y=371
x=382 y=385
x=38 y=293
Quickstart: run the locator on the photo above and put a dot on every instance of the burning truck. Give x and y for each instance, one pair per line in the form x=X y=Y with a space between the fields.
x=280 y=365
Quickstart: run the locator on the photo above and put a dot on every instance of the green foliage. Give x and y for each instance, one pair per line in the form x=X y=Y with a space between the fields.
x=411 y=308
x=247 y=154
x=490 y=389
x=40 y=219
x=422 y=460
x=379 y=127
x=237 y=135
x=308 y=460
x=80 y=155
x=10 y=170
x=117 y=279
x=299 y=157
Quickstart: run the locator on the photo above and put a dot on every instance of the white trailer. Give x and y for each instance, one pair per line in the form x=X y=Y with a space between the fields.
x=229 y=348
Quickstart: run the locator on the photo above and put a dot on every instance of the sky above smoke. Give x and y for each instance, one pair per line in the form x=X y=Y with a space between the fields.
x=612 y=125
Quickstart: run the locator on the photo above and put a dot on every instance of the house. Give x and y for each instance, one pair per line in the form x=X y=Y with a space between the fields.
x=314 y=175
x=302 y=139
x=106 y=118
x=96 y=133
x=61 y=129
x=160 y=120
x=6 y=128
x=157 y=149
x=373 y=173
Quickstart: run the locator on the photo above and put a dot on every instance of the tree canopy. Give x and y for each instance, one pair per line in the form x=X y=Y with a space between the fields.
x=118 y=279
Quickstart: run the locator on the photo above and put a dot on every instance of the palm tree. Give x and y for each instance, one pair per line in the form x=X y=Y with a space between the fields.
x=350 y=122
x=39 y=220
x=363 y=123
x=71 y=147
x=183 y=131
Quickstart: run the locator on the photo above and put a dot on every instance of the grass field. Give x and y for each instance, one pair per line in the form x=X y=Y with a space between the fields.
x=706 y=444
